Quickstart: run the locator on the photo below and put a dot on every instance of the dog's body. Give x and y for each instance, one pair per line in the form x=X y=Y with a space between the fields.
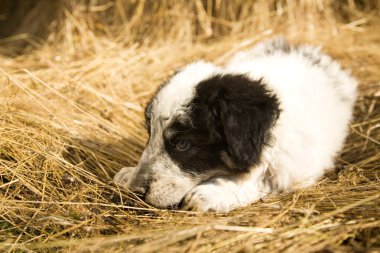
x=220 y=138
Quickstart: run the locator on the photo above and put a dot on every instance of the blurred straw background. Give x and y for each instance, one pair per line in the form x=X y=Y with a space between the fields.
x=74 y=79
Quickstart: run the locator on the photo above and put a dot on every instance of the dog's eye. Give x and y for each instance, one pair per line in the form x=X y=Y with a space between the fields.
x=182 y=145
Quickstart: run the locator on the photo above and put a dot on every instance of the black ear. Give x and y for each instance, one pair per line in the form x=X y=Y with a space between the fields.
x=245 y=111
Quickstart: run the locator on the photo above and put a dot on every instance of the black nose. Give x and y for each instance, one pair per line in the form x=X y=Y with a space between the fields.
x=140 y=186
x=139 y=190
x=141 y=180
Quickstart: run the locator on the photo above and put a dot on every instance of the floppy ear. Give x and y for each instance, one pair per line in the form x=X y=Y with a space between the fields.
x=245 y=111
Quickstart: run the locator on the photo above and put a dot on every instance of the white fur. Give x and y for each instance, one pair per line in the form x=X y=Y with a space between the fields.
x=316 y=99
x=316 y=105
x=181 y=88
x=222 y=194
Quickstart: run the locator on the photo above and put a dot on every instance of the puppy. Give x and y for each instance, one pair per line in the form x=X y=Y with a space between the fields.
x=221 y=138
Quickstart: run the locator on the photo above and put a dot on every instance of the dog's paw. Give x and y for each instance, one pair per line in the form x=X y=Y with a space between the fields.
x=123 y=175
x=210 y=198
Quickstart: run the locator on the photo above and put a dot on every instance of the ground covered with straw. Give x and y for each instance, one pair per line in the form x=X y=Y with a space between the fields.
x=71 y=115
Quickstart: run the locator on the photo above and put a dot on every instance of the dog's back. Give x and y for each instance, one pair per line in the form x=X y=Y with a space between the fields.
x=316 y=98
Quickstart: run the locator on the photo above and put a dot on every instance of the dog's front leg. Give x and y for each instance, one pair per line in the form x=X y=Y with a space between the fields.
x=224 y=194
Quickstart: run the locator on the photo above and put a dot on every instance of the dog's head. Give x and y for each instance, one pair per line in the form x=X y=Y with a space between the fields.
x=202 y=123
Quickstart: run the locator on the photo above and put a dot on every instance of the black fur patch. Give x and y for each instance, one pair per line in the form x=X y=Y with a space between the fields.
x=204 y=151
x=229 y=113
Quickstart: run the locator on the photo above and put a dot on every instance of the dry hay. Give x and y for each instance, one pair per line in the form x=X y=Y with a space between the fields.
x=71 y=116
